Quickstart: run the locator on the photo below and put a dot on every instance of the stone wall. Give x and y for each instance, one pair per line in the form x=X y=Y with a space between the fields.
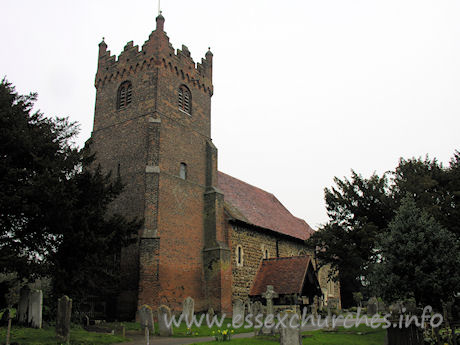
x=254 y=243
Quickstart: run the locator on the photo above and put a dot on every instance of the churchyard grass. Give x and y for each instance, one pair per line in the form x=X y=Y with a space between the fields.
x=47 y=336
x=182 y=330
x=204 y=330
x=361 y=335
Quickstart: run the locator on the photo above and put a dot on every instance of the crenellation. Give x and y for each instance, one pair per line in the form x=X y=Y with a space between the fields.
x=132 y=60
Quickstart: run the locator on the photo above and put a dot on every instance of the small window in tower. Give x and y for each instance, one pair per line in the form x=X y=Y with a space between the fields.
x=185 y=100
x=266 y=254
x=183 y=171
x=125 y=95
x=239 y=256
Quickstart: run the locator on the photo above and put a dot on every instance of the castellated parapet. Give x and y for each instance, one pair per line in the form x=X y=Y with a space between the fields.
x=156 y=51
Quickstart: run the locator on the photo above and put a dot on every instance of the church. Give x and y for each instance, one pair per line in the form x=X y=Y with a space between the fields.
x=205 y=234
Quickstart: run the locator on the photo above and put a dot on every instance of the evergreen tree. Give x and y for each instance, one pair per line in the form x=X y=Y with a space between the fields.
x=417 y=258
x=358 y=209
x=54 y=210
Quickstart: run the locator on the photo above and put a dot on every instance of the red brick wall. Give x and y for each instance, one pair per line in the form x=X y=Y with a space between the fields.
x=148 y=140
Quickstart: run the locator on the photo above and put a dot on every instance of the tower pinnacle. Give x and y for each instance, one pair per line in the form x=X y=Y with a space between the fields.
x=160 y=22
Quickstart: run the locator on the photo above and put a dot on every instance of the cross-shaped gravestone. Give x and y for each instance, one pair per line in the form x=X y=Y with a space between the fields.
x=269 y=295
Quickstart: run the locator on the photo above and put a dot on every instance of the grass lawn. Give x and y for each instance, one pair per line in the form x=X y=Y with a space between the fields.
x=361 y=335
x=204 y=330
x=47 y=336
x=182 y=330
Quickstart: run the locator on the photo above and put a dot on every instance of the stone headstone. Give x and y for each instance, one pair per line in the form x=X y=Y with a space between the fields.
x=188 y=308
x=211 y=313
x=315 y=307
x=34 y=318
x=290 y=335
x=238 y=312
x=329 y=317
x=410 y=306
x=269 y=295
x=146 y=318
x=247 y=307
x=381 y=308
x=333 y=303
x=257 y=309
x=23 y=305
x=395 y=308
x=372 y=305
x=164 y=321
x=64 y=312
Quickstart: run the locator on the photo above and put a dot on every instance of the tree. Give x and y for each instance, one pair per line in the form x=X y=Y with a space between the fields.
x=55 y=215
x=36 y=155
x=358 y=209
x=417 y=258
x=86 y=261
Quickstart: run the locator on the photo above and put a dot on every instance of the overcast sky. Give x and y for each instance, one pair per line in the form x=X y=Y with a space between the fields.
x=304 y=90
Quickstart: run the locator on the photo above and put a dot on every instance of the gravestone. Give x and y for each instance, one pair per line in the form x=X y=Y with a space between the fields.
x=290 y=335
x=269 y=295
x=188 y=308
x=410 y=306
x=146 y=318
x=315 y=307
x=23 y=305
x=238 y=312
x=34 y=318
x=211 y=313
x=247 y=307
x=164 y=321
x=257 y=309
x=64 y=313
x=372 y=305
x=381 y=308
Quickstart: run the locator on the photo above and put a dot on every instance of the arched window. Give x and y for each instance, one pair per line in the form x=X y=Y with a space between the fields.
x=125 y=93
x=185 y=99
x=239 y=256
x=183 y=171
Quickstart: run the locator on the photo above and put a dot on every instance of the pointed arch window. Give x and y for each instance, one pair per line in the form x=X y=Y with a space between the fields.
x=185 y=99
x=125 y=95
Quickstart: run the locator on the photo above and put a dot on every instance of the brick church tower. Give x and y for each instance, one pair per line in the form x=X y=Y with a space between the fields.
x=152 y=126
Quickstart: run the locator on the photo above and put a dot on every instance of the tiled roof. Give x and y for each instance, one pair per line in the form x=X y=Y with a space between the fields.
x=287 y=275
x=258 y=207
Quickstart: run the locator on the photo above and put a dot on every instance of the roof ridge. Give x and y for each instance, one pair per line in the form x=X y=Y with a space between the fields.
x=251 y=185
x=286 y=257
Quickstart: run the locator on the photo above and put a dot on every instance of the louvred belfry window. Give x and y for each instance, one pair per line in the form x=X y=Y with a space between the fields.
x=125 y=95
x=185 y=100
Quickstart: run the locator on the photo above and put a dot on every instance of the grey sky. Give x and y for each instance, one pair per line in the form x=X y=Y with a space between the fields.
x=304 y=90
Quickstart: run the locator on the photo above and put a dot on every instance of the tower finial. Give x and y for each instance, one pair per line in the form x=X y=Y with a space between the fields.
x=159 y=7
x=160 y=22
